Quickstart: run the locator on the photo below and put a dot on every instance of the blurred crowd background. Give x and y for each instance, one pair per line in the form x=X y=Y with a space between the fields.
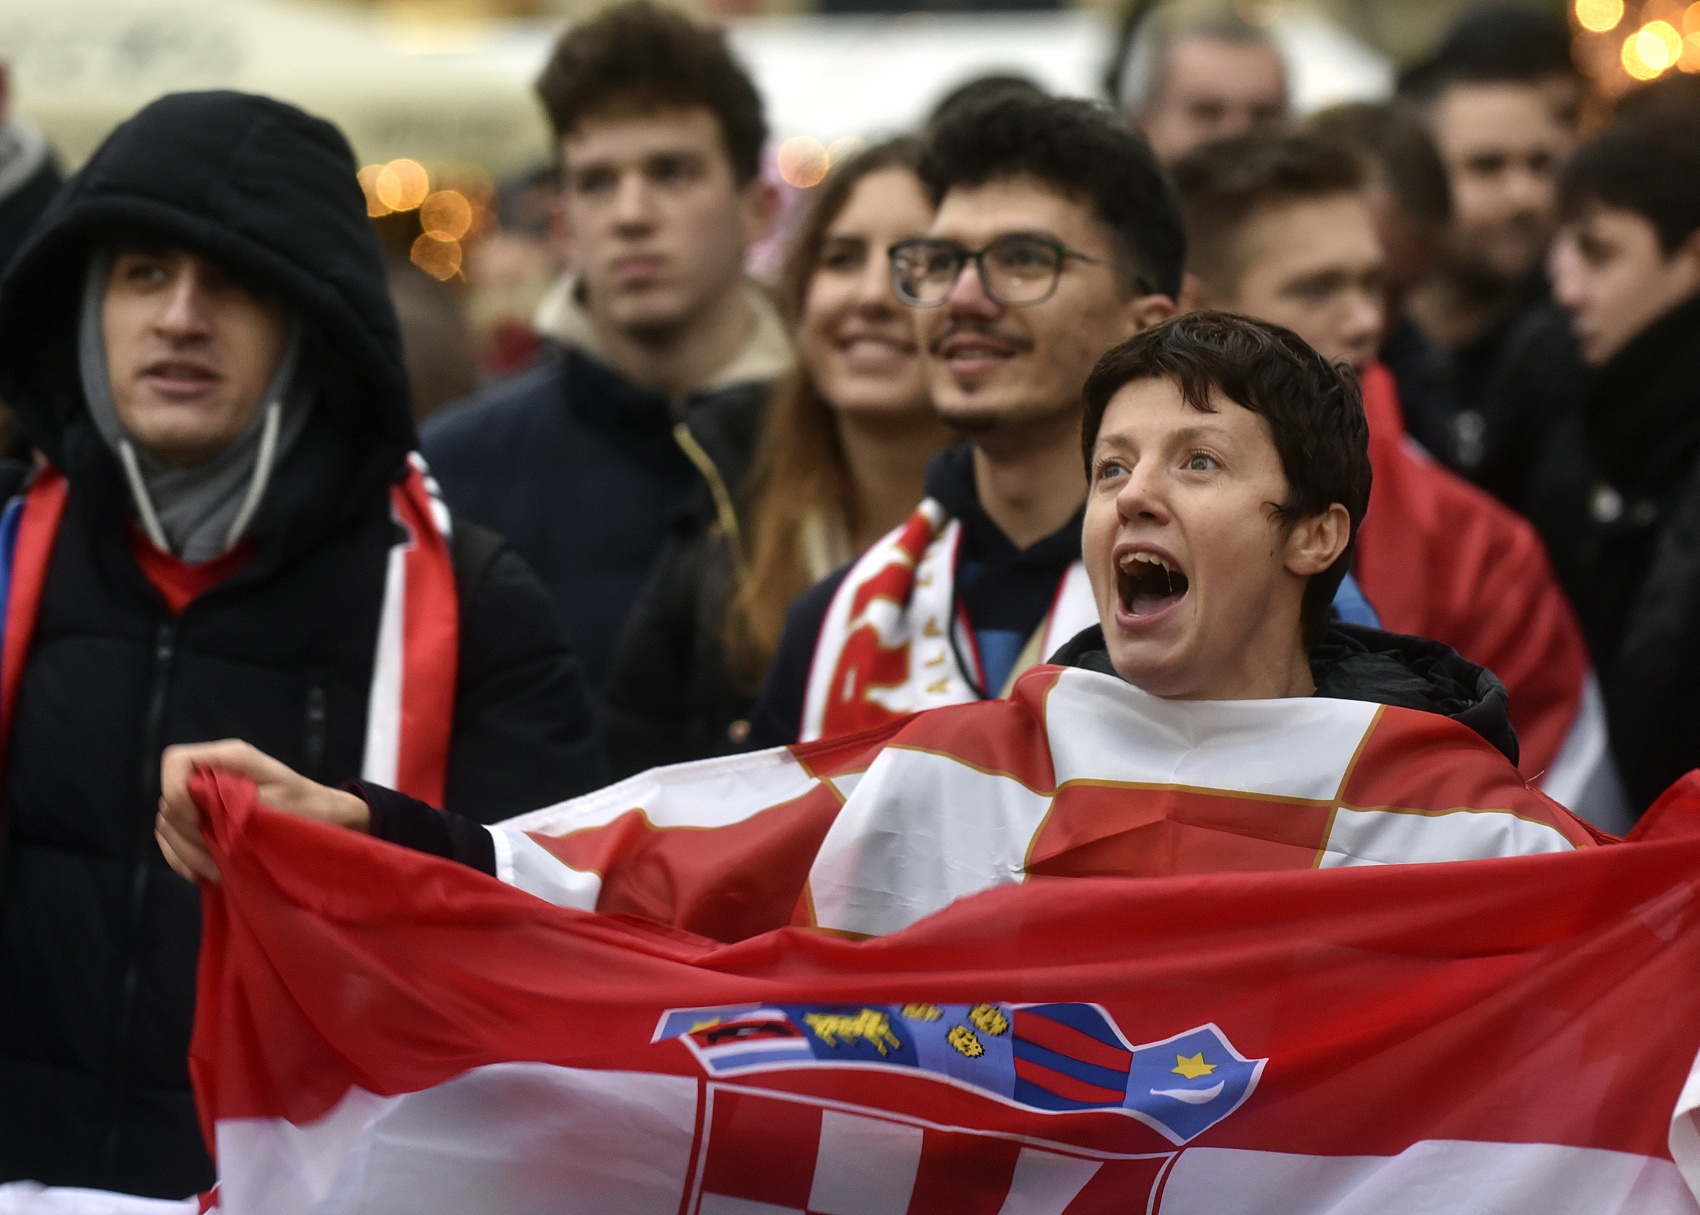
x=675 y=366
x=435 y=96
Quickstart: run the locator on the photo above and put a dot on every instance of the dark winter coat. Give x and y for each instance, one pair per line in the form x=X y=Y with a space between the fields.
x=1616 y=496
x=582 y=472
x=98 y=938
x=669 y=696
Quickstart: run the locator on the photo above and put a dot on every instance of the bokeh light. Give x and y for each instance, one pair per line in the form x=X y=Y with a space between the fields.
x=375 y=206
x=1598 y=16
x=1632 y=61
x=844 y=147
x=1659 y=45
x=439 y=258
x=402 y=184
x=1690 y=61
x=802 y=161
x=447 y=215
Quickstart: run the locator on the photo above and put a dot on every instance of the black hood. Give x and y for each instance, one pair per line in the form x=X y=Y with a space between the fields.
x=1356 y=663
x=270 y=194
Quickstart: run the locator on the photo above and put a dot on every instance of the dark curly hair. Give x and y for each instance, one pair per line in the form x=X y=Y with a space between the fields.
x=1079 y=148
x=638 y=54
x=1312 y=407
x=1648 y=162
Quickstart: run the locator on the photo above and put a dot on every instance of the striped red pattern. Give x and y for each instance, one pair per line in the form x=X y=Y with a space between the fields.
x=44 y=506
x=430 y=647
x=1439 y=558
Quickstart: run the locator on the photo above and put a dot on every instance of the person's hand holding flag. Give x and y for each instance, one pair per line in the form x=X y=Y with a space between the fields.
x=178 y=825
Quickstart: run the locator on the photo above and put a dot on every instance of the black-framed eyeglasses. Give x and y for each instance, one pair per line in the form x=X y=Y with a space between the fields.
x=1014 y=270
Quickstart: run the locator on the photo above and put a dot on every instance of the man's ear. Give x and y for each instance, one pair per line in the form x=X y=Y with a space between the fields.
x=1144 y=311
x=758 y=203
x=1316 y=543
x=1687 y=256
x=1194 y=294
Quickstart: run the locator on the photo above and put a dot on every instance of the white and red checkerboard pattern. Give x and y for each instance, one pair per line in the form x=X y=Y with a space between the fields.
x=772 y=1154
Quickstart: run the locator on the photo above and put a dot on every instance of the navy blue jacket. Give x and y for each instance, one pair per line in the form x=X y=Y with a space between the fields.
x=580 y=470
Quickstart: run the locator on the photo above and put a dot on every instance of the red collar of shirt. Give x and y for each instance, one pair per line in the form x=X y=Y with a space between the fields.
x=179 y=582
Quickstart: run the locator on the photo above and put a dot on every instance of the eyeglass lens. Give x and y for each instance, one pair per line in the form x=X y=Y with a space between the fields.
x=1014 y=270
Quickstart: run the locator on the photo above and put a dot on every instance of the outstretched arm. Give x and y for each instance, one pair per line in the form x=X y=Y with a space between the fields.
x=178 y=827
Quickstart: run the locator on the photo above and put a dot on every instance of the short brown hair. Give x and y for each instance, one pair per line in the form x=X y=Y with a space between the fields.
x=640 y=55
x=1222 y=184
x=1312 y=407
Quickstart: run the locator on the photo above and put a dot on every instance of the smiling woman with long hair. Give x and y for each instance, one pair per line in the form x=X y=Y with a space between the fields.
x=841 y=462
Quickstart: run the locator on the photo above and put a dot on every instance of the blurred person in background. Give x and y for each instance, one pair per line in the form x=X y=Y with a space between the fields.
x=29 y=177
x=29 y=174
x=229 y=540
x=664 y=351
x=841 y=462
x=1492 y=95
x=1280 y=228
x=436 y=339
x=510 y=269
x=1616 y=491
x=1056 y=237
x=1410 y=203
x=1186 y=79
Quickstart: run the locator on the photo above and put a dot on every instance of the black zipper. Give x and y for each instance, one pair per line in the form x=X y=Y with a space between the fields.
x=315 y=756
x=165 y=642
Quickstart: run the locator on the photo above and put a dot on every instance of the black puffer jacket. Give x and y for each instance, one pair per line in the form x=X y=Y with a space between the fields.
x=98 y=939
x=669 y=696
x=1356 y=663
x=1617 y=499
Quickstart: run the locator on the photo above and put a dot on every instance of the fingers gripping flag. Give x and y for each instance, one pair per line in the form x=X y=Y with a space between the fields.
x=381 y=1031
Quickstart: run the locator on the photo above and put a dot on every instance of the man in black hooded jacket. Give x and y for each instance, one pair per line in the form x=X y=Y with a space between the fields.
x=229 y=540
x=1616 y=492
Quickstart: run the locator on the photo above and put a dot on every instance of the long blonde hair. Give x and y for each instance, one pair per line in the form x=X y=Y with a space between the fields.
x=798 y=495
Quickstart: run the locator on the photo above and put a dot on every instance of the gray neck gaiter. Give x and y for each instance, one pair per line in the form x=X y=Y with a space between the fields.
x=201 y=511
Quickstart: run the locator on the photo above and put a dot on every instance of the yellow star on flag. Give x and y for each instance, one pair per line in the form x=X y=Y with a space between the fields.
x=1192 y=1066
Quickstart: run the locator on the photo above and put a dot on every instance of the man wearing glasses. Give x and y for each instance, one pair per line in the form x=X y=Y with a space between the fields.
x=1056 y=238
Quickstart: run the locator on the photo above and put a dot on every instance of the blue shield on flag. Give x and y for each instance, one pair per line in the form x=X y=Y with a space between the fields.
x=1059 y=1058
x=1185 y=1085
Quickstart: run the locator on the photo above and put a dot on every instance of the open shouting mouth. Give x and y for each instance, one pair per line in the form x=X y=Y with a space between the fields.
x=1147 y=583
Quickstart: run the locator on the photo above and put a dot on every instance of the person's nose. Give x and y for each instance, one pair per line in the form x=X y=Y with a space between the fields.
x=1143 y=497
x=968 y=296
x=633 y=202
x=185 y=312
x=1531 y=190
x=873 y=291
x=1363 y=320
x=1562 y=266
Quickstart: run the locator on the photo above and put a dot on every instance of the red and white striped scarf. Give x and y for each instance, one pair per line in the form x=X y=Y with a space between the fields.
x=410 y=710
x=895 y=641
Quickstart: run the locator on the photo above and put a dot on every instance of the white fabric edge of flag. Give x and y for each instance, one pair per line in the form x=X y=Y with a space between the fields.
x=383 y=703
x=1684 y=1139
x=1583 y=777
x=720 y=791
x=30 y=1198
x=1431 y=1177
